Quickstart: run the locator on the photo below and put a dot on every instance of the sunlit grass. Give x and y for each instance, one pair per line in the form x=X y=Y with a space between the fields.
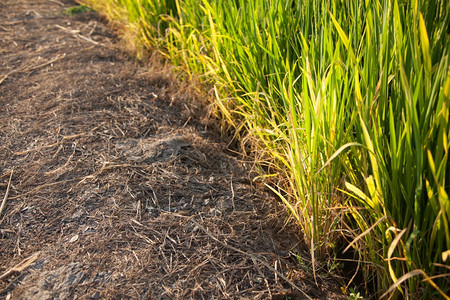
x=349 y=101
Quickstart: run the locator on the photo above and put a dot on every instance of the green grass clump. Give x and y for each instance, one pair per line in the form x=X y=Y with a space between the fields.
x=349 y=103
x=75 y=10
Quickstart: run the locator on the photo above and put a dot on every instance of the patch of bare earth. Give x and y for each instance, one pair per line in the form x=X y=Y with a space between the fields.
x=118 y=188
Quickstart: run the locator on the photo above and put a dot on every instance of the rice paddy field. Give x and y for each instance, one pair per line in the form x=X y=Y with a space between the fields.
x=344 y=103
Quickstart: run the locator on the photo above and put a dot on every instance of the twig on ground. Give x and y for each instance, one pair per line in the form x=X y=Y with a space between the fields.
x=232 y=193
x=51 y=145
x=6 y=194
x=43 y=186
x=77 y=34
x=20 y=266
x=26 y=68
x=57 y=2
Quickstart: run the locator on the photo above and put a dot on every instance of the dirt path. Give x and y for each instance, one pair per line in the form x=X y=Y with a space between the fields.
x=118 y=189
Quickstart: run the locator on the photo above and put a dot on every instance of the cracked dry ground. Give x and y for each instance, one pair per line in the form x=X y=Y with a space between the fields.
x=119 y=187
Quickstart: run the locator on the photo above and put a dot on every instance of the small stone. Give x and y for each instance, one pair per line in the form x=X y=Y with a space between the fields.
x=74 y=239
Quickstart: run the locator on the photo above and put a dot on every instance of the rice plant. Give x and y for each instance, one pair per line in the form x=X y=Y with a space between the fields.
x=349 y=102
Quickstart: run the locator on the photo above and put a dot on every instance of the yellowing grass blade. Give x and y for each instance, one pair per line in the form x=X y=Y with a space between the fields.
x=425 y=42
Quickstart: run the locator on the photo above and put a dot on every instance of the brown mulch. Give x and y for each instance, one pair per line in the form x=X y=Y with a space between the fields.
x=116 y=183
